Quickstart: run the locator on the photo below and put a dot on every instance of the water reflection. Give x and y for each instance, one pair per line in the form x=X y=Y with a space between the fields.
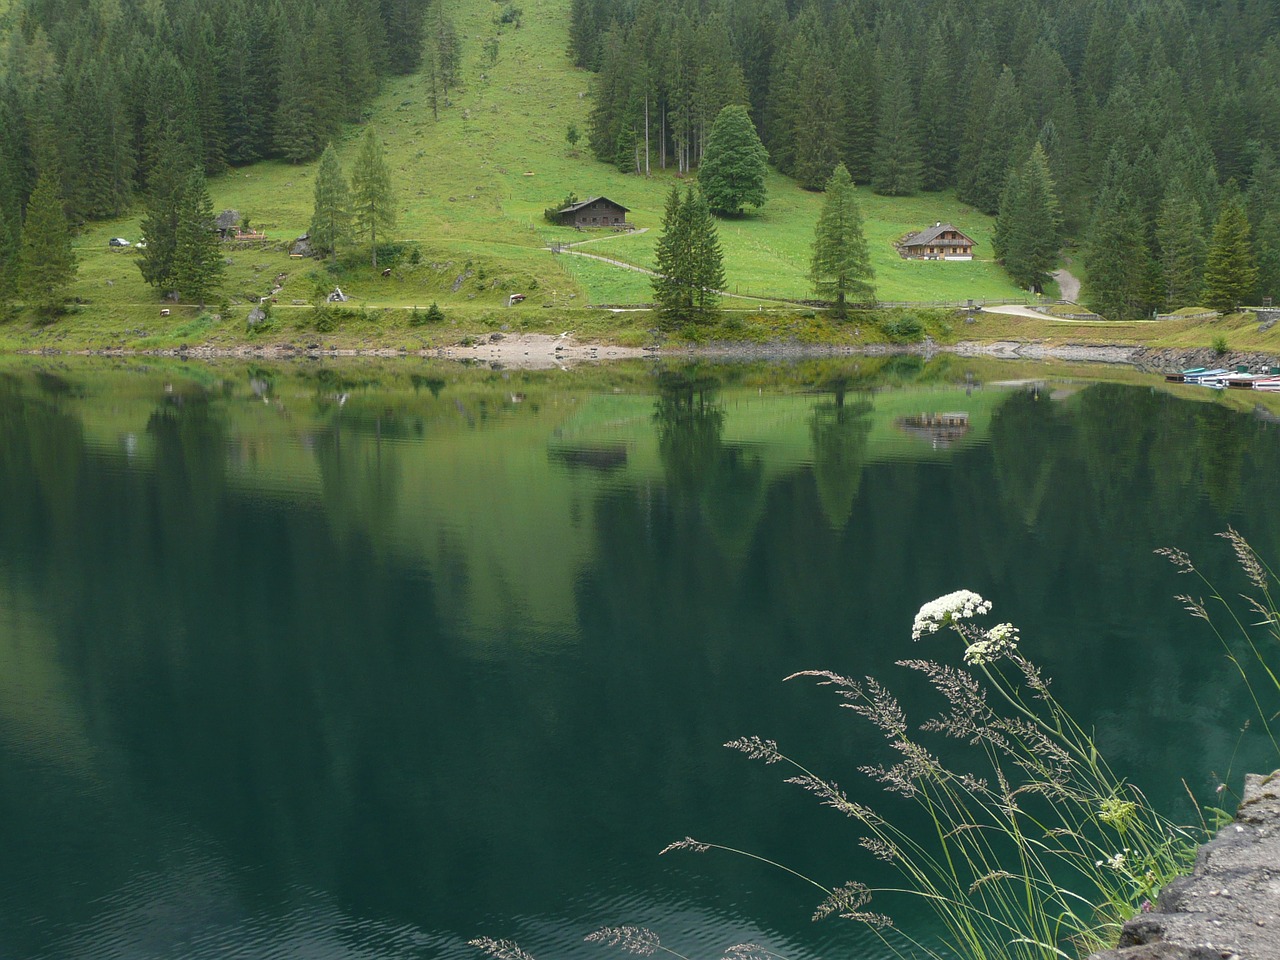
x=371 y=660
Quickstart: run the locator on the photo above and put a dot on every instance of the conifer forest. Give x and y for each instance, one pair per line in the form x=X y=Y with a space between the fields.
x=1133 y=131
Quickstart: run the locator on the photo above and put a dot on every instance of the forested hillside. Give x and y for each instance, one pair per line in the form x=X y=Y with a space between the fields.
x=1152 y=113
x=1158 y=119
x=100 y=95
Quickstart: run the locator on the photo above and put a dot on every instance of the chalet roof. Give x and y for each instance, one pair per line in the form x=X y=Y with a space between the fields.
x=931 y=235
x=585 y=203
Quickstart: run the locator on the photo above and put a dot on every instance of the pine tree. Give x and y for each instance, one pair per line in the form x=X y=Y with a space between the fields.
x=1028 y=229
x=733 y=167
x=372 y=199
x=819 y=117
x=841 y=265
x=198 y=267
x=331 y=218
x=1181 y=241
x=46 y=262
x=1230 y=273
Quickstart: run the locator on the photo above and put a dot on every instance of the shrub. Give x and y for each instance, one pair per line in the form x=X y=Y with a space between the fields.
x=1220 y=345
x=552 y=214
x=905 y=328
x=420 y=318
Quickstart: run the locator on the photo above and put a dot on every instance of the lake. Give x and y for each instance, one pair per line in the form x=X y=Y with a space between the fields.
x=365 y=661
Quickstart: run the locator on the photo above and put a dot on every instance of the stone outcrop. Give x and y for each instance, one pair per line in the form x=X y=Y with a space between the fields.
x=1229 y=906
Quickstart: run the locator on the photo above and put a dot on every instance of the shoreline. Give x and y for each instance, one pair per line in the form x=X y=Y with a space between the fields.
x=543 y=351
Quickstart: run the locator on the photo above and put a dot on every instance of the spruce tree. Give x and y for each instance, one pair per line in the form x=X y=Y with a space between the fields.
x=173 y=165
x=1230 y=273
x=372 y=199
x=707 y=258
x=840 y=268
x=1117 y=260
x=331 y=217
x=1264 y=220
x=690 y=263
x=1181 y=242
x=733 y=167
x=671 y=256
x=198 y=267
x=1028 y=228
x=896 y=167
x=46 y=262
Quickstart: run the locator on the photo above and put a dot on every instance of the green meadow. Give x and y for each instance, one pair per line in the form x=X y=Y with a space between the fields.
x=471 y=188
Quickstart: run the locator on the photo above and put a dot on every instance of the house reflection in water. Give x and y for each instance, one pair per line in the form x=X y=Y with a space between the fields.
x=940 y=429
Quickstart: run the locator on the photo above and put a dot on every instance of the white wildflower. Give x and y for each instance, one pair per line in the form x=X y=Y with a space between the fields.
x=936 y=614
x=1115 y=861
x=995 y=643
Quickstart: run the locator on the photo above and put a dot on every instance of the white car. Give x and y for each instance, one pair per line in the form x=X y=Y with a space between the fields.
x=117 y=242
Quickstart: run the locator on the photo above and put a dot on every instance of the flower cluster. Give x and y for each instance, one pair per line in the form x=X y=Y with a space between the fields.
x=1000 y=640
x=936 y=614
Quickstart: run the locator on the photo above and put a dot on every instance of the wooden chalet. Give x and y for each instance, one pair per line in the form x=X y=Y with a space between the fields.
x=596 y=212
x=942 y=241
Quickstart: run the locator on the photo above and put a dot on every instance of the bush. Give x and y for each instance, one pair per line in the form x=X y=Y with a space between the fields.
x=552 y=214
x=433 y=314
x=906 y=328
x=1220 y=345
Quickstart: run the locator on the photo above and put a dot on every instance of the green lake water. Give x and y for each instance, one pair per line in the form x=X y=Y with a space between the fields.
x=366 y=661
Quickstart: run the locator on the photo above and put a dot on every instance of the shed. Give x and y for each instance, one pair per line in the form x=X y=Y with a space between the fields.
x=227 y=222
x=942 y=241
x=596 y=212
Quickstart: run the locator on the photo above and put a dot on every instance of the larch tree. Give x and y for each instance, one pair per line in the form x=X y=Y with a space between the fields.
x=840 y=269
x=331 y=217
x=734 y=164
x=46 y=262
x=1230 y=272
x=372 y=199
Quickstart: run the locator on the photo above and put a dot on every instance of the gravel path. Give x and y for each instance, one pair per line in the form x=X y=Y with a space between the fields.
x=1068 y=285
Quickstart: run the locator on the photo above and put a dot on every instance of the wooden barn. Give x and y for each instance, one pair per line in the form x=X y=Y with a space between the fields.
x=942 y=241
x=596 y=212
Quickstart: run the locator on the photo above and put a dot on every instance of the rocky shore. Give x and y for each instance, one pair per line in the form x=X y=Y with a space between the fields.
x=1229 y=907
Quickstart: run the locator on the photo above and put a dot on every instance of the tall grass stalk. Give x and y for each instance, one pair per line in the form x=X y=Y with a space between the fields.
x=1035 y=848
x=1251 y=648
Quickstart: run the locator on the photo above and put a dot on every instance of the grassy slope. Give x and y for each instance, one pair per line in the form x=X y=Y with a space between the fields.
x=472 y=188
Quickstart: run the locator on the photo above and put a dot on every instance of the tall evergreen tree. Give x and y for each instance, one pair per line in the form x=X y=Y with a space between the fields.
x=896 y=168
x=46 y=262
x=1117 y=260
x=1027 y=234
x=1264 y=219
x=1230 y=272
x=840 y=268
x=670 y=257
x=733 y=167
x=331 y=217
x=198 y=267
x=690 y=263
x=372 y=198
x=1180 y=237
x=163 y=213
